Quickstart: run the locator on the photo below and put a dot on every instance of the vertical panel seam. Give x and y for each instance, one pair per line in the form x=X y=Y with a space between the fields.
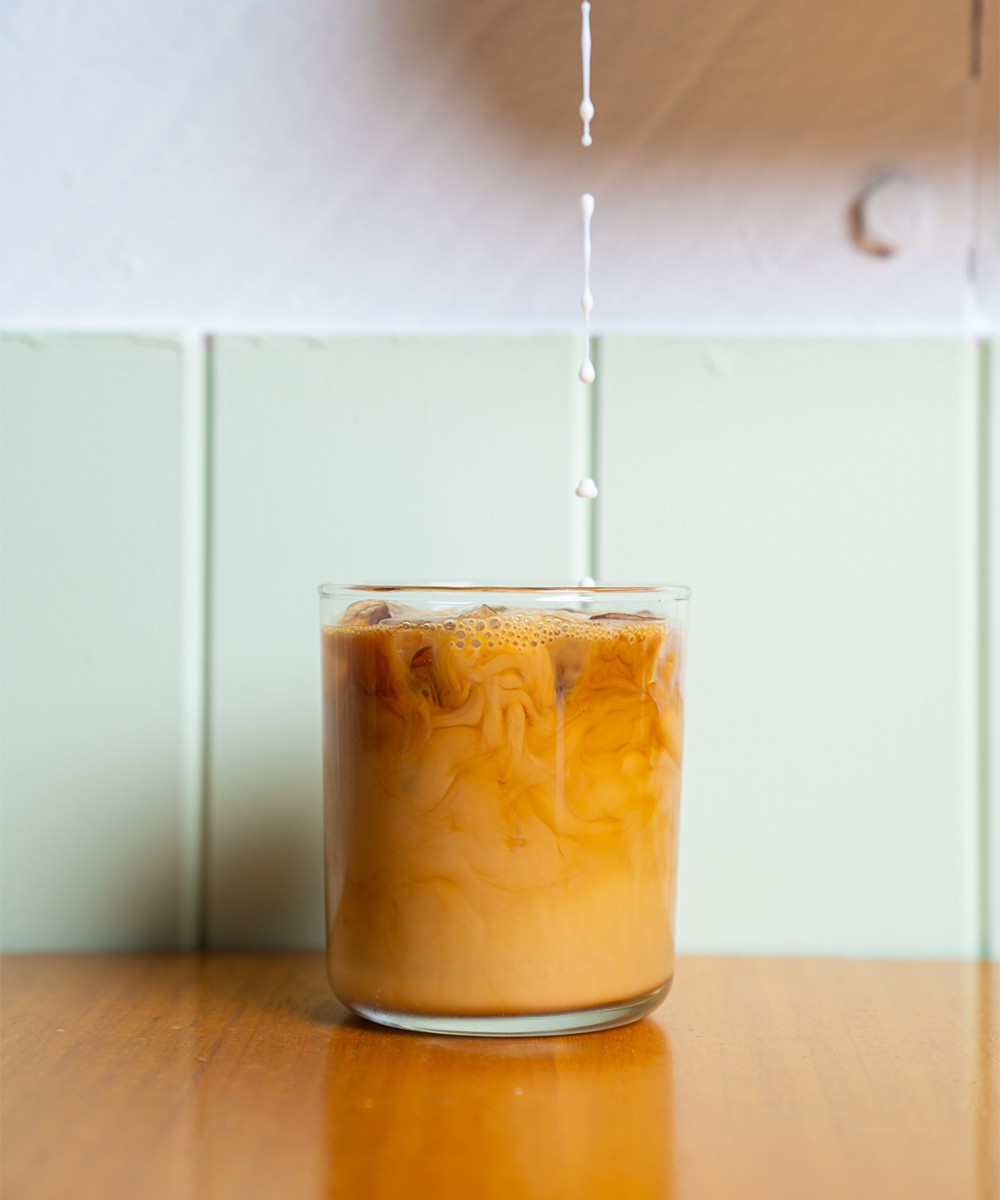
x=581 y=455
x=976 y=40
x=193 y=643
x=593 y=566
x=985 y=866
x=207 y=601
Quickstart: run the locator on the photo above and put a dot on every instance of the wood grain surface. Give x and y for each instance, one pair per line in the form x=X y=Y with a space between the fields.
x=238 y=1075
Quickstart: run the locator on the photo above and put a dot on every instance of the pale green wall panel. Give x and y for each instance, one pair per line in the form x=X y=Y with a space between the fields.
x=354 y=459
x=820 y=498
x=819 y=495
x=98 y=762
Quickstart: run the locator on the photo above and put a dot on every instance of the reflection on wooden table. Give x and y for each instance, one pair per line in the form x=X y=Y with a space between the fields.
x=238 y=1075
x=575 y=1116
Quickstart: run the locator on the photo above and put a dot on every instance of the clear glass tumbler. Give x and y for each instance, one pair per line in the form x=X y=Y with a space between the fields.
x=501 y=776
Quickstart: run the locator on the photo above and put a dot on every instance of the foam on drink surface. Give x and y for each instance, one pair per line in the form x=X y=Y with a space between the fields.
x=517 y=630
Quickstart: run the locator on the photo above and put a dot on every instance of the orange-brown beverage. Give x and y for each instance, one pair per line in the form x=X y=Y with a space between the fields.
x=501 y=789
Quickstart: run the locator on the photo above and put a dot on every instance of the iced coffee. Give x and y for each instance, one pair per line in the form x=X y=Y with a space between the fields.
x=501 y=792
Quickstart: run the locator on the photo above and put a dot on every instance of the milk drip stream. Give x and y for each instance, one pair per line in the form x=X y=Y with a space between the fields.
x=587 y=372
x=586 y=489
x=586 y=106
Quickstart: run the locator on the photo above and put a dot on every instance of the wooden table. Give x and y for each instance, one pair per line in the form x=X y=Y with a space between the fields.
x=238 y=1075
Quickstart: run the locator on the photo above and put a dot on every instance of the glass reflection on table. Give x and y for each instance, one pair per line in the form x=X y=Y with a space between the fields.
x=585 y=1116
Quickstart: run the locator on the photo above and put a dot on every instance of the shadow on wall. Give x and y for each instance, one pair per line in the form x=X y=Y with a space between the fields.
x=98 y=874
x=688 y=78
x=266 y=875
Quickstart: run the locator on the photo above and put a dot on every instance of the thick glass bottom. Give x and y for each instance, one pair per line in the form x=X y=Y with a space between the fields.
x=581 y=1020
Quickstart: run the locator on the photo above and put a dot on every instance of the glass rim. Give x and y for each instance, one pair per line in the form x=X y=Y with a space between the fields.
x=670 y=591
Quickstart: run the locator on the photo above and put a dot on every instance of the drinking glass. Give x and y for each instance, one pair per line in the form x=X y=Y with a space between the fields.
x=502 y=771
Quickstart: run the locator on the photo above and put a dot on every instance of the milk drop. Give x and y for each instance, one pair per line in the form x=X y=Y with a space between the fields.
x=587 y=582
x=586 y=489
x=586 y=107
x=587 y=372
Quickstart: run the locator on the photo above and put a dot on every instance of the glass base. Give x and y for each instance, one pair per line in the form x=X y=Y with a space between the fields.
x=581 y=1020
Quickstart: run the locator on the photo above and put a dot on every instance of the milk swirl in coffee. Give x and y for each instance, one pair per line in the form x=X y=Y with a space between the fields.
x=502 y=791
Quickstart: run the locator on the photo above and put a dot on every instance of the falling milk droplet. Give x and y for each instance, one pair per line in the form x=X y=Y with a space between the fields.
x=586 y=489
x=587 y=582
x=586 y=107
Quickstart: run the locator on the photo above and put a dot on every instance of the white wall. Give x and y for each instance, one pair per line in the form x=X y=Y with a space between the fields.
x=311 y=165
